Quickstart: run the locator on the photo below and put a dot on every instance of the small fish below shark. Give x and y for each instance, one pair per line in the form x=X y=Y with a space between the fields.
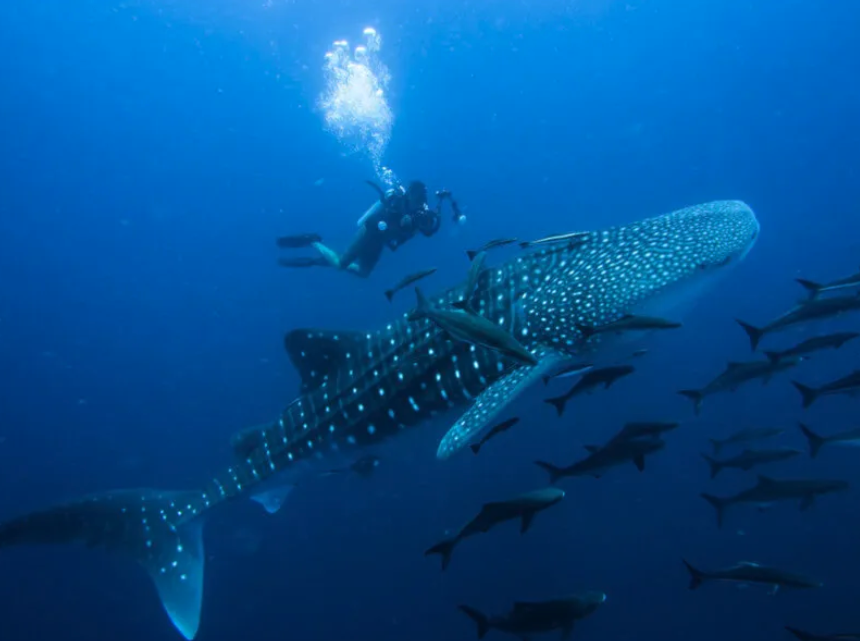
x=748 y=459
x=601 y=459
x=768 y=490
x=534 y=617
x=745 y=436
x=737 y=374
x=747 y=572
x=523 y=507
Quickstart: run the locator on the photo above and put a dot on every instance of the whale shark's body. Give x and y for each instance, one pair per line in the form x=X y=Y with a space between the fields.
x=361 y=388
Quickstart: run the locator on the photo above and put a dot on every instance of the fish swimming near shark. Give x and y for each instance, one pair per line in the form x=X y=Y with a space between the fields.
x=523 y=507
x=768 y=490
x=747 y=572
x=815 y=289
x=408 y=280
x=492 y=244
x=573 y=239
x=535 y=617
x=814 y=344
x=748 y=459
x=745 y=436
x=629 y=323
x=504 y=426
x=363 y=467
x=593 y=378
x=468 y=326
x=848 y=385
x=471 y=281
x=360 y=388
x=600 y=459
x=809 y=636
x=574 y=369
x=643 y=429
x=847 y=438
x=737 y=374
x=807 y=311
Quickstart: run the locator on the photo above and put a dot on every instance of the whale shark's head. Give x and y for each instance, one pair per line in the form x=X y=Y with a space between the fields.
x=655 y=266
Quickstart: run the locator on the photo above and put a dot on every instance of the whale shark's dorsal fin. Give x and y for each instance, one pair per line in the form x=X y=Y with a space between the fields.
x=319 y=355
x=494 y=399
x=161 y=531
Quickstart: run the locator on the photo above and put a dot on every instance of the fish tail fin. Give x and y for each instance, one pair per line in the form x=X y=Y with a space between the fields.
x=586 y=331
x=815 y=441
x=475 y=447
x=697 y=577
x=718 y=504
x=479 y=618
x=389 y=294
x=471 y=253
x=754 y=333
x=801 y=634
x=811 y=287
x=717 y=445
x=696 y=396
x=555 y=472
x=444 y=549
x=558 y=402
x=422 y=308
x=163 y=532
x=716 y=466
x=773 y=357
x=807 y=394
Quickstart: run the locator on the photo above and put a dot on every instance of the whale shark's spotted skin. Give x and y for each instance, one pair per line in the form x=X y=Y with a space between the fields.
x=360 y=388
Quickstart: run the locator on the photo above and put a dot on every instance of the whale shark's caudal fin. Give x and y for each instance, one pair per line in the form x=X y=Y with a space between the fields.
x=161 y=531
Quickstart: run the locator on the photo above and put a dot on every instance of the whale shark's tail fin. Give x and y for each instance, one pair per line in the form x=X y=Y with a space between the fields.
x=160 y=530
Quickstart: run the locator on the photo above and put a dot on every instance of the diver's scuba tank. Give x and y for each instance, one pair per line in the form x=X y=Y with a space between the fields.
x=377 y=207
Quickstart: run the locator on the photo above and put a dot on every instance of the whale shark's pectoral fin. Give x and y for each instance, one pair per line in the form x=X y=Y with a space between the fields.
x=161 y=531
x=494 y=399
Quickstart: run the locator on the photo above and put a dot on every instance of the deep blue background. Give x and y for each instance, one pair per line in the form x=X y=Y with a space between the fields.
x=152 y=151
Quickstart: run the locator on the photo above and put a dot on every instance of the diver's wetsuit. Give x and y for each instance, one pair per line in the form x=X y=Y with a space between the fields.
x=392 y=226
x=399 y=215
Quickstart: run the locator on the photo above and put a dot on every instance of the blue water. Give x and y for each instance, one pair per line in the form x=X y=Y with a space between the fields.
x=151 y=153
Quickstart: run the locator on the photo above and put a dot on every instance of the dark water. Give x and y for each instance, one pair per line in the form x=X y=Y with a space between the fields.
x=152 y=151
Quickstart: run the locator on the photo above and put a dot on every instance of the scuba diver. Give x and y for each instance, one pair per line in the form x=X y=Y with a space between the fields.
x=390 y=222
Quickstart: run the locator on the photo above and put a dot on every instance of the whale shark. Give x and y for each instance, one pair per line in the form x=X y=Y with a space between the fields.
x=360 y=388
